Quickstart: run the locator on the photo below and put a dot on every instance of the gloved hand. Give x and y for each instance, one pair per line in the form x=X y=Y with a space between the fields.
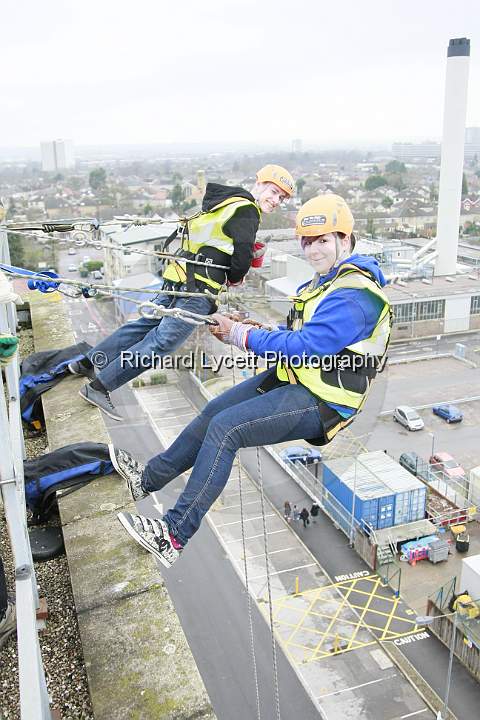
x=251 y=321
x=259 y=250
x=8 y=348
x=222 y=330
x=230 y=332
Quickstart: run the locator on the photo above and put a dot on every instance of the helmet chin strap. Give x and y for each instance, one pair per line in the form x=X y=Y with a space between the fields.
x=257 y=190
x=341 y=252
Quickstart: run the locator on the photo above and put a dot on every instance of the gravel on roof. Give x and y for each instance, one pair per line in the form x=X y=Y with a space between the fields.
x=60 y=640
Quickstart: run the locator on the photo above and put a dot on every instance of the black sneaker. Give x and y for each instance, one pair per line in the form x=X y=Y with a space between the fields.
x=76 y=368
x=130 y=469
x=8 y=624
x=152 y=534
x=99 y=399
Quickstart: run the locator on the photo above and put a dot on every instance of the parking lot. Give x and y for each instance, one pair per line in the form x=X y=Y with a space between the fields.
x=430 y=382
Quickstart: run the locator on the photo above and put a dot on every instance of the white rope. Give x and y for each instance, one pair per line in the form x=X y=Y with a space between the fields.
x=245 y=570
x=102 y=286
x=269 y=588
x=98 y=245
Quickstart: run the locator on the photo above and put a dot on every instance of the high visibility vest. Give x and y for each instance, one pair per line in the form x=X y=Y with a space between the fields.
x=206 y=229
x=346 y=378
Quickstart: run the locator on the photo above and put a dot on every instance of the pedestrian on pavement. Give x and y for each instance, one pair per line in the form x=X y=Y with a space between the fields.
x=223 y=233
x=304 y=516
x=314 y=512
x=335 y=343
x=287 y=511
x=296 y=513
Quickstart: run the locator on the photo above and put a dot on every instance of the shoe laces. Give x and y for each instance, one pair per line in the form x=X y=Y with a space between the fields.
x=109 y=400
x=132 y=465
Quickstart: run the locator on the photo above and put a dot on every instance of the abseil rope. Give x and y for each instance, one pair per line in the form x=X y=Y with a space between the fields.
x=267 y=567
x=224 y=296
x=146 y=309
x=53 y=280
x=245 y=569
x=269 y=586
x=151 y=311
x=98 y=245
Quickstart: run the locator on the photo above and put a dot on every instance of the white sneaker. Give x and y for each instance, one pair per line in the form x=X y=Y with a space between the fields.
x=130 y=469
x=8 y=624
x=152 y=534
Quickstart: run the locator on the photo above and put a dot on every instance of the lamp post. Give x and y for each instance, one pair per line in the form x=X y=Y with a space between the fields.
x=428 y=620
x=354 y=497
x=432 y=435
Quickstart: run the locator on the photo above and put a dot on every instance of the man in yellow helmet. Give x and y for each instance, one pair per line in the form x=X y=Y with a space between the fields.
x=223 y=233
x=325 y=360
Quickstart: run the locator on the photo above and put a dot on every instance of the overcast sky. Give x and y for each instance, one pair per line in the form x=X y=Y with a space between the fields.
x=263 y=71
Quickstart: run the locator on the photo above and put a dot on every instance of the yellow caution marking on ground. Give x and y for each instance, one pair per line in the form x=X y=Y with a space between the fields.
x=321 y=622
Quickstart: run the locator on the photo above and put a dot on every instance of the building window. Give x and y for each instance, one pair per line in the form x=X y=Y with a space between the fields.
x=475 y=305
x=430 y=310
x=426 y=310
x=403 y=313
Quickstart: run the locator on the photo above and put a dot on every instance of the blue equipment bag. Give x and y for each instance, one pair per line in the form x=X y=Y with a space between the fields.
x=41 y=371
x=67 y=468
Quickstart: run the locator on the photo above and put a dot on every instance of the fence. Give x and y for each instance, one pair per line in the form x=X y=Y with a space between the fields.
x=34 y=699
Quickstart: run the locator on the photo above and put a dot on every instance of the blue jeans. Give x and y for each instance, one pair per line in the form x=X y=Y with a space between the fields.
x=240 y=417
x=142 y=338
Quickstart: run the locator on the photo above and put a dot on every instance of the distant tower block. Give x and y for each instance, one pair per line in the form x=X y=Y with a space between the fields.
x=453 y=145
x=201 y=182
x=297 y=145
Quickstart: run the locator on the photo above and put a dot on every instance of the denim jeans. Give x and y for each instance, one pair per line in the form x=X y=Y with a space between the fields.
x=142 y=338
x=240 y=417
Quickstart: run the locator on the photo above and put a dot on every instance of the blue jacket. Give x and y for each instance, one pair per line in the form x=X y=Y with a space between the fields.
x=343 y=318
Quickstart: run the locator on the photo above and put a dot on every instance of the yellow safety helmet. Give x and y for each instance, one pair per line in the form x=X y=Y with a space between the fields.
x=324 y=214
x=278 y=175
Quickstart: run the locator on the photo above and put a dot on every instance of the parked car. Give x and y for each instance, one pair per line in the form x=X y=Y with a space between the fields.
x=72 y=268
x=447 y=464
x=304 y=455
x=97 y=275
x=410 y=461
x=408 y=417
x=448 y=412
x=72 y=251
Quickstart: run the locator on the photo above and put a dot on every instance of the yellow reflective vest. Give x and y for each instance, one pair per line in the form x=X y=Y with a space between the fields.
x=206 y=229
x=345 y=378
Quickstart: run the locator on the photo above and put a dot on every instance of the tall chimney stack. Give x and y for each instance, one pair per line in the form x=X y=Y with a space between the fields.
x=451 y=169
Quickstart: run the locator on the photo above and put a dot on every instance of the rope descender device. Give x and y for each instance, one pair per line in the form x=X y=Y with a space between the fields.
x=151 y=311
x=47 y=282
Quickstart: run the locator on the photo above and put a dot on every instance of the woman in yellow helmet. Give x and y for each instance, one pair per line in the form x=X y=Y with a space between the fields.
x=324 y=360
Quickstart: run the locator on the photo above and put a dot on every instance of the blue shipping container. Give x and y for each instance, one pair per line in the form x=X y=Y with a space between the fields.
x=369 y=504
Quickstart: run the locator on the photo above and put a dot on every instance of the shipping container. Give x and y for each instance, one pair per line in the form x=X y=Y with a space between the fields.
x=470 y=577
x=376 y=489
x=337 y=513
